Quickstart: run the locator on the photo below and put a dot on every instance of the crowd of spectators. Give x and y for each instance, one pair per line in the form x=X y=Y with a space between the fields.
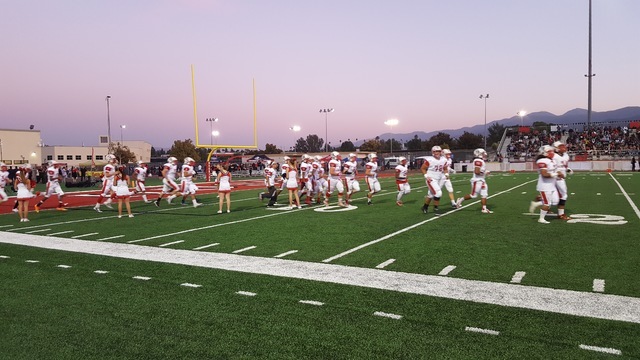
x=594 y=143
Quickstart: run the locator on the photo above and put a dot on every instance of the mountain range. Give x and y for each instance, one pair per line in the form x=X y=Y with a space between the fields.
x=575 y=116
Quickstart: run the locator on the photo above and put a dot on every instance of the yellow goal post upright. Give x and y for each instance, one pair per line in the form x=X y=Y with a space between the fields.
x=215 y=147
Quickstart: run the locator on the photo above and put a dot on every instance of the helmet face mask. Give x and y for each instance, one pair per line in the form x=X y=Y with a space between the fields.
x=335 y=155
x=111 y=159
x=372 y=156
x=480 y=153
x=172 y=160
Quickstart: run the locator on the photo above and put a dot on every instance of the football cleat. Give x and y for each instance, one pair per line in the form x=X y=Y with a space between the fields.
x=36 y=208
x=197 y=204
x=399 y=203
x=486 y=211
x=130 y=215
x=543 y=221
x=425 y=209
x=97 y=208
x=564 y=217
x=459 y=202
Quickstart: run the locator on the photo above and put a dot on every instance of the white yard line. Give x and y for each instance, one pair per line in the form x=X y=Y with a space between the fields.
x=143 y=278
x=577 y=303
x=36 y=231
x=311 y=302
x=246 y=293
x=191 y=285
x=598 y=285
x=389 y=236
x=633 y=205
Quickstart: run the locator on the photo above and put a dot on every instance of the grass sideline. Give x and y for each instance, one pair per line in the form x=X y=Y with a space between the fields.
x=173 y=321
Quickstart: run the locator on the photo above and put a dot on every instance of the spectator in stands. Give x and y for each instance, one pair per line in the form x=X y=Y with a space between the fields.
x=633 y=163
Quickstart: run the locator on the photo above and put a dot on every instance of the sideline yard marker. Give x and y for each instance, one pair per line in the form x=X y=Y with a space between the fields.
x=385 y=264
x=36 y=231
x=191 y=285
x=244 y=249
x=598 y=285
x=517 y=277
x=64 y=266
x=482 y=331
x=388 y=315
x=447 y=270
x=172 y=243
x=246 y=293
x=286 y=253
x=83 y=235
x=32 y=261
x=4 y=257
x=145 y=278
x=101 y=272
x=600 y=349
x=206 y=246
x=60 y=233
x=311 y=302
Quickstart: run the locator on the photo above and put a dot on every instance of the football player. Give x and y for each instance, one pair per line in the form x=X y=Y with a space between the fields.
x=335 y=179
x=478 y=181
x=433 y=169
x=169 y=186
x=108 y=174
x=187 y=187
x=53 y=186
x=350 y=170
x=547 y=175
x=402 y=181
x=371 y=177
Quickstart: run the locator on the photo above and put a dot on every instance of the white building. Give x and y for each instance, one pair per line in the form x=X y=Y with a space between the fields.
x=88 y=156
x=18 y=147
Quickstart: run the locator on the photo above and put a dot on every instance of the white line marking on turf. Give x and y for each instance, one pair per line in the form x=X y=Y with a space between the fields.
x=311 y=302
x=172 y=243
x=145 y=278
x=101 y=272
x=83 y=235
x=246 y=293
x=244 y=249
x=4 y=257
x=633 y=205
x=600 y=349
x=64 y=266
x=388 y=315
x=206 y=246
x=36 y=231
x=482 y=331
x=598 y=285
x=111 y=237
x=570 y=302
x=286 y=253
x=598 y=194
x=447 y=270
x=32 y=261
x=517 y=277
x=216 y=225
x=191 y=285
x=372 y=242
x=4 y=226
x=61 y=232
x=385 y=264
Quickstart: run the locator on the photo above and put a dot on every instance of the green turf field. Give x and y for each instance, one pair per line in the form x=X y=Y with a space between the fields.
x=72 y=312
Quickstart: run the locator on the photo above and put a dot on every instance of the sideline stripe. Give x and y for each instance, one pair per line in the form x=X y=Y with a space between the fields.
x=389 y=236
x=172 y=243
x=388 y=315
x=385 y=264
x=598 y=285
x=633 y=205
x=286 y=253
x=570 y=302
x=600 y=349
x=482 y=331
x=206 y=246
x=244 y=249
x=447 y=270
x=517 y=277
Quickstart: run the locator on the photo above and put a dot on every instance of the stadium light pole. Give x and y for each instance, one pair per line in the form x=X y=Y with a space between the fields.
x=108 y=122
x=326 y=127
x=521 y=113
x=211 y=121
x=122 y=127
x=485 y=97
x=391 y=123
x=295 y=128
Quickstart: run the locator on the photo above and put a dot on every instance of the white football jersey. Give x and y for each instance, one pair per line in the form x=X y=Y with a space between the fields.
x=544 y=183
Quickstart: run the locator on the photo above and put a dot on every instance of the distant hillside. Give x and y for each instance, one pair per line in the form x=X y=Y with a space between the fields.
x=570 y=117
